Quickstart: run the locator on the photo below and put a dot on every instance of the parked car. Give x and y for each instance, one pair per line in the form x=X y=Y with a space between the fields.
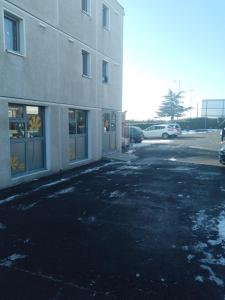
x=134 y=133
x=222 y=155
x=177 y=127
x=164 y=131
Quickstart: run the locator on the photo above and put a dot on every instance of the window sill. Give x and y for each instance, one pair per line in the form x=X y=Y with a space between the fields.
x=14 y=53
x=106 y=28
x=86 y=13
x=86 y=76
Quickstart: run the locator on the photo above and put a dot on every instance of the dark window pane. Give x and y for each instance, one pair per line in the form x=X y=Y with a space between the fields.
x=81 y=147
x=105 y=16
x=18 y=162
x=35 y=155
x=105 y=72
x=72 y=115
x=11 y=33
x=72 y=149
x=85 y=59
x=85 y=5
x=16 y=130
x=106 y=122
x=72 y=128
x=15 y=111
x=113 y=122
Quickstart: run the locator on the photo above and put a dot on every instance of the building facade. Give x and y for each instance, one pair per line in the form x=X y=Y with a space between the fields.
x=213 y=108
x=60 y=85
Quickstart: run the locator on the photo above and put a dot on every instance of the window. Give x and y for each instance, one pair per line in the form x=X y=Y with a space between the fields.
x=26 y=138
x=105 y=71
x=78 y=134
x=86 y=6
x=105 y=16
x=86 y=63
x=13 y=31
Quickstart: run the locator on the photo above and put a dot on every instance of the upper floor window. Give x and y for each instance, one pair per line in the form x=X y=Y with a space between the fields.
x=86 y=6
x=105 y=71
x=105 y=16
x=13 y=33
x=86 y=63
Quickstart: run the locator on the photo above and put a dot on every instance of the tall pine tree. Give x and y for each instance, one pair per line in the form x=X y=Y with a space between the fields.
x=172 y=106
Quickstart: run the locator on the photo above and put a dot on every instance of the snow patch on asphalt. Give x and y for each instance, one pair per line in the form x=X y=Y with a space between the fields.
x=62 y=192
x=209 y=254
x=117 y=194
x=11 y=260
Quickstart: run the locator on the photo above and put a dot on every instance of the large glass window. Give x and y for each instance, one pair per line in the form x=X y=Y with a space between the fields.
x=78 y=134
x=26 y=138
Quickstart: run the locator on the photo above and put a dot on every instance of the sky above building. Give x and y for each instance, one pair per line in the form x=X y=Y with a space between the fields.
x=172 y=43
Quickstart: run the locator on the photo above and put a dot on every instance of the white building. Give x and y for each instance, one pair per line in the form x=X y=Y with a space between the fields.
x=60 y=85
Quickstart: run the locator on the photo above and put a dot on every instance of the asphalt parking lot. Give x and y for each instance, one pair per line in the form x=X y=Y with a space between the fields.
x=152 y=227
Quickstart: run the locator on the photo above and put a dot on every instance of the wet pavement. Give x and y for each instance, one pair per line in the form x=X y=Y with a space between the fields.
x=150 y=228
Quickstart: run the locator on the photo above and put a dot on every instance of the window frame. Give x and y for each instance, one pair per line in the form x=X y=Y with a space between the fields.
x=27 y=140
x=88 y=5
x=8 y=14
x=105 y=71
x=86 y=54
x=105 y=18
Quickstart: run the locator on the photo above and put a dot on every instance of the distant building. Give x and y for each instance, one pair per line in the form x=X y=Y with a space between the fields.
x=213 y=108
x=60 y=85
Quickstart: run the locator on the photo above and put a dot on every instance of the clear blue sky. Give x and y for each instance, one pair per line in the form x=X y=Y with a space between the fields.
x=172 y=40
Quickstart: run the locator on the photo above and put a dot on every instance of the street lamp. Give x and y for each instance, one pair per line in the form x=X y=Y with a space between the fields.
x=177 y=81
x=191 y=98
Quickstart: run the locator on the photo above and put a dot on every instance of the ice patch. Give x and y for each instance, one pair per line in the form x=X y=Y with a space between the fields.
x=62 y=192
x=199 y=279
x=2 y=226
x=221 y=227
x=117 y=194
x=11 y=260
x=190 y=258
x=213 y=276
x=172 y=159
x=200 y=220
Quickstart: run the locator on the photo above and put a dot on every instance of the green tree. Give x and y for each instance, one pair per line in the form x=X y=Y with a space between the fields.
x=172 y=106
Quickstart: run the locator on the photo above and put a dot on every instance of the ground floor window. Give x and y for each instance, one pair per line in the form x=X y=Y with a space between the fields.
x=109 y=131
x=27 y=141
x=78 y=134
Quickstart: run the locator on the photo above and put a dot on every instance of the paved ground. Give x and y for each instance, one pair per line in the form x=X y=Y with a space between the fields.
x=152 y=228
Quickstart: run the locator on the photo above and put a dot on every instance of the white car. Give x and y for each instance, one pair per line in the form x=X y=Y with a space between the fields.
x=162 y=131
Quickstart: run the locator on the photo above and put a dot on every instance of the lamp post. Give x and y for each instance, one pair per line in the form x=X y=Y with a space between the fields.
x=191 y=98
x=177 y=81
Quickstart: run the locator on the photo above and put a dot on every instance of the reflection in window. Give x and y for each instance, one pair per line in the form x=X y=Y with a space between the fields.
x=26 y=137
x=12 y=24
x=113 y=121
x=81 y=122
x=106 y=122
x=15 y=111
x=34 y=126
x=16 y=130
x=78 y=136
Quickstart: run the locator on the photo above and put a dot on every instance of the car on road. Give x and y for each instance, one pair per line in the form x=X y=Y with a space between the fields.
x=164 y=131
x=222 y=155
x=134 y=133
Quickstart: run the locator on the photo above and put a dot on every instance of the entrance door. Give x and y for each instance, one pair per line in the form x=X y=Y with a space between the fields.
x=109 y=132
